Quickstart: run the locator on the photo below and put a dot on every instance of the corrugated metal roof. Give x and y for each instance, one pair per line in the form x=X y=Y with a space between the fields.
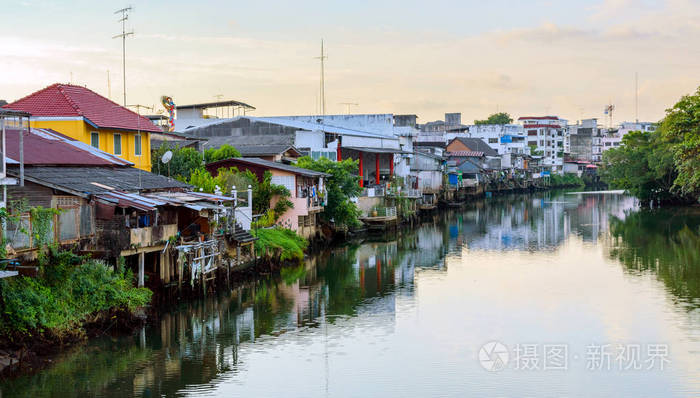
x=375 y=150
x=465 y=154
x=320 y=127
x=476 y=144
x=97 y=180
x=48 y=147
x=65 y=100
x=266 y=164
x=265 y=150
x=151 y=201
x=187 y=125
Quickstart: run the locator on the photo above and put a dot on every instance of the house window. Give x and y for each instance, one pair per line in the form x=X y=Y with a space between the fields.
x=493 y=140
x=95 y=139
x=117 y=144
x=137 y=145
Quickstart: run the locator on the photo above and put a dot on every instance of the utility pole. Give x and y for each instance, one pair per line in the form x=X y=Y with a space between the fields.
x=322 y=100
x=123 y=35
x=109 y=86
x=636 y=97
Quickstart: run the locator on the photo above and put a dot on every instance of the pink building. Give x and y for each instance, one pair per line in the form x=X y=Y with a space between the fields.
x=306 y=188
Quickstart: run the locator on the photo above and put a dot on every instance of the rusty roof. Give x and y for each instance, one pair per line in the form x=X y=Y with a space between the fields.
x=45 y=147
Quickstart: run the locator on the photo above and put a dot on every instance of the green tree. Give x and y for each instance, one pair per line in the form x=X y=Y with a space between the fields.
x=263 y=191
x=223 y=152
x=681 y=130
x=342 y=184
x=643 y=165
x=181 y=165
x=496 y=118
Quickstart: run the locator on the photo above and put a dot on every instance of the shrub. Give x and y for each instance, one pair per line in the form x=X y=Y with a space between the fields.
x=65 y=293
x=280 y=243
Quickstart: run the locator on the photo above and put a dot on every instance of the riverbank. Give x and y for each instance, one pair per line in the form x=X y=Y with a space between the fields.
x=280 y=251
x=70 y=299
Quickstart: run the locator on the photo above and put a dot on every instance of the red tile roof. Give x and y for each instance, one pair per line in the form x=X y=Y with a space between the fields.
x=44 y=147
x=541 y=126
x=66 y=100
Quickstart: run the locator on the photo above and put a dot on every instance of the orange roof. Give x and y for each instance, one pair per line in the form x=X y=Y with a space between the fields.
x=67 y=100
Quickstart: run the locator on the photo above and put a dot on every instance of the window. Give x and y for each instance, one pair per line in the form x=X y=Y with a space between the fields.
x=493 y=140
x=137 y=145
x=95 y=139
x=117 y=144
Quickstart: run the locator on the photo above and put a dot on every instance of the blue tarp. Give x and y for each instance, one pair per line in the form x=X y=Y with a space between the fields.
x=506 y=139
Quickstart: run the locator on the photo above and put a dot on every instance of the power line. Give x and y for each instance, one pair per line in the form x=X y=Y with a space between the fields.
x=123 y=35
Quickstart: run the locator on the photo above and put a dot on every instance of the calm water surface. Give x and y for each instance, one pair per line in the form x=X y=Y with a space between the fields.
x=549 y=294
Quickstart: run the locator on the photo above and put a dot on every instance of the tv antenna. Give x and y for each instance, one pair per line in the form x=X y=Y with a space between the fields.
x=322 y=99
x=123 y=35
x=636 y=97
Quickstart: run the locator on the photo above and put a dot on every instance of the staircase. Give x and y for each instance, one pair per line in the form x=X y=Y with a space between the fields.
x=242 y=236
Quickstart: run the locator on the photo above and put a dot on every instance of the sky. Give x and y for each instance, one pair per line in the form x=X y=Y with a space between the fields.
x=566 y=58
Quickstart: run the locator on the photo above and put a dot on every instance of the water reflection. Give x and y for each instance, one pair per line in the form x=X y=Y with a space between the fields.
x=369 y=289
x=665 y=242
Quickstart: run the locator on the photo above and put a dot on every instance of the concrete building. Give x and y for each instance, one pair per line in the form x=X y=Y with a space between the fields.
x=584 y=141
x=503 y=138
x=546 y=135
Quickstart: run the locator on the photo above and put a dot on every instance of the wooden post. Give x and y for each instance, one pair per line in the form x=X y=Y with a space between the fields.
x=142 y=260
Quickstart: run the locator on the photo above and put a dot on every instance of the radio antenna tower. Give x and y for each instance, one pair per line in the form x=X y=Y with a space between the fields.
x=123 y=35
x=348 y=105
x=322 y=100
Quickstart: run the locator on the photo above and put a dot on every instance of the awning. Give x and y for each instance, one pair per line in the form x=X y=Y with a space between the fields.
x=376 y=150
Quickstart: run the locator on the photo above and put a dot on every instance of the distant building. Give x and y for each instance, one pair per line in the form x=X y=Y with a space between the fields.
x=503 y=138
x=84 y=115
x=546 y=135
x=584 y=141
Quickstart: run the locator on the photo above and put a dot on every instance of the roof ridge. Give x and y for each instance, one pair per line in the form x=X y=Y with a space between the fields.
x=29 y=95
x=72 y=103
x=109 y=100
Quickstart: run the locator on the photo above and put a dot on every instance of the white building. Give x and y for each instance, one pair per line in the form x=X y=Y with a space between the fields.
x=546 y=134
x=503 y=138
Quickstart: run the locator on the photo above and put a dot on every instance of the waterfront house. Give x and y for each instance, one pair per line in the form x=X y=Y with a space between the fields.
x=86 y=116
x=15 y=122
x=306 y=188
x=110 y=209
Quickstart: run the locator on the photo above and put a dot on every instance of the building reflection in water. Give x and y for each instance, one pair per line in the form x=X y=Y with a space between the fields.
x=199 y=344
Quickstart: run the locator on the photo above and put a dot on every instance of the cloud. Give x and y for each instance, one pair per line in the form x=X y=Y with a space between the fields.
x=545 y=33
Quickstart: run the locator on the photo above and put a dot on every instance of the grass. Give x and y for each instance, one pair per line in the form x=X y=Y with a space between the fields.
x=280 y=243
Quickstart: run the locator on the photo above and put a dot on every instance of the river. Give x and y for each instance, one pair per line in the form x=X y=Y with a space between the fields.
x=548 y=294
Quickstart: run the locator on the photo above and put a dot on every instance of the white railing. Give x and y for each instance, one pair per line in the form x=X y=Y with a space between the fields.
x=244 y=208
x=373 y=192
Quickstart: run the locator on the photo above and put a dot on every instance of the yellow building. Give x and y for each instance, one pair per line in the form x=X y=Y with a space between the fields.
x=86 y=116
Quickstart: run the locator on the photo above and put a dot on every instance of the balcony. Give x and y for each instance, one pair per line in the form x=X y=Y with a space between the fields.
x=151 y=236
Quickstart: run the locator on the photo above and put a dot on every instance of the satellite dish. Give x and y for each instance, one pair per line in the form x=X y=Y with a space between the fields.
x=166 y=157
